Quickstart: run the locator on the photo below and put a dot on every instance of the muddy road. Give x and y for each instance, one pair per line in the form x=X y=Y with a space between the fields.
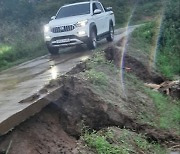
x=22 y=81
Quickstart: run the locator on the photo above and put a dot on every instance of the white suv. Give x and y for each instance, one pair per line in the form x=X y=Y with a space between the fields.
x=78 y=23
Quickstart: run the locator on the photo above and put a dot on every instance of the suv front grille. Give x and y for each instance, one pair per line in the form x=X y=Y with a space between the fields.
x=60 y=29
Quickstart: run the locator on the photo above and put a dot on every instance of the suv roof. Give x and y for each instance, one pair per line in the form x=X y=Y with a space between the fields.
x=76 y=3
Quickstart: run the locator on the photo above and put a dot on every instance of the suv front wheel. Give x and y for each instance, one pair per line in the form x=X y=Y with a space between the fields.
x=92 y=41
x=110 y=38
x=53 y=51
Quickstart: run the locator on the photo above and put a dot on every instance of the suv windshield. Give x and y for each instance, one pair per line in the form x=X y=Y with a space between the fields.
x=74 y=10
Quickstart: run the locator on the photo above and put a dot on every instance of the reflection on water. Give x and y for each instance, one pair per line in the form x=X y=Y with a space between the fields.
x=84 y=58
x=54 y=72
x=53 y=68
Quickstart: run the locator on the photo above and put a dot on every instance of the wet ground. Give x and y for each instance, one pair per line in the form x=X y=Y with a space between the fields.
x=24 y=80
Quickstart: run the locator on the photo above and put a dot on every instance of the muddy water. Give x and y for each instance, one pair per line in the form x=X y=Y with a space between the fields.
x=23 y=81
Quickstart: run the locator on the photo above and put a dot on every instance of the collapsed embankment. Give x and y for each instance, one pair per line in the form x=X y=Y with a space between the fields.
x=90 y=95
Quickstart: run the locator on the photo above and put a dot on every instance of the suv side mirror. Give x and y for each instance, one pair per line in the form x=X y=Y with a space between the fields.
x=97 y=11
x=53 y=17
x=109 y=9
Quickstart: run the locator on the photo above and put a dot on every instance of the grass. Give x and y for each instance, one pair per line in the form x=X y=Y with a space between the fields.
x=158 y=39
x=97 y=59
x=168 y=52
x=4 y=48
x=100 y=144
x=168 y=111
x=97 y=78
x=144 y=42
x=144 y=145
x=119 y=141
x=11 y=55
x=168 y=64
x=143 y=37
x=162 y=111
x=146 y=10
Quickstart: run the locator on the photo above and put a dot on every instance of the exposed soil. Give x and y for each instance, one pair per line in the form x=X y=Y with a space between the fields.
x=80 y=104
x=113 y=53
x=42 y=134
x=50 y=131
x=141 y=70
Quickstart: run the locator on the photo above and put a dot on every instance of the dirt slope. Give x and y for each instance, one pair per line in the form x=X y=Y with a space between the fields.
x=40 y=134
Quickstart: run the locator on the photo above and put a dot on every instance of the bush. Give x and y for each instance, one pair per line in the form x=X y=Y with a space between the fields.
x=168 y=110
x=168 y=54
x=146 y=11
x=145 y=33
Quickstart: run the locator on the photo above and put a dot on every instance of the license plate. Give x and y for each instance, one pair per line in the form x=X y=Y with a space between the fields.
x=63 y=41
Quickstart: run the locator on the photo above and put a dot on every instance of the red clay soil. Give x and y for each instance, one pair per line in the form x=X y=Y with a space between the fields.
x=42 y=134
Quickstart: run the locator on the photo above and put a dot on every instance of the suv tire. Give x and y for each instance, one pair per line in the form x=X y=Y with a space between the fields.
x=92 y=41
x=110 y=38
x=53 y=51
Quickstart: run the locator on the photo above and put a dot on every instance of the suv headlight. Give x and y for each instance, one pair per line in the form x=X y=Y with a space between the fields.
x=81 y=23
x=46 y=28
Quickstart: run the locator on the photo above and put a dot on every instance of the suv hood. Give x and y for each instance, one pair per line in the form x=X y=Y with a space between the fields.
x=68 y=20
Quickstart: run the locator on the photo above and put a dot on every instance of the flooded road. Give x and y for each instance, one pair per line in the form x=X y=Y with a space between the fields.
x=22 y=81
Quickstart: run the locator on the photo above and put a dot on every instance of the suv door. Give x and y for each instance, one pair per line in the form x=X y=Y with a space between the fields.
x=100 y=19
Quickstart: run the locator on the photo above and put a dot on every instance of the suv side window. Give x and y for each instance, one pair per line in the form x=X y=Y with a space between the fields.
x=94 y=7
x=97 y=6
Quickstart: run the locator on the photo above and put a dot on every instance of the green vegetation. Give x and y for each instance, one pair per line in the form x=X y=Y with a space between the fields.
x=20 y=52
x=143 y=42
x=97 y=59
x=168 y=58
x=122 y=10
x=163 y=113
x=168 y=111
x=120 y=141
x=100 y=143
x=158 y=39
x=97 y=78
x=146 y=10
x=143 y=37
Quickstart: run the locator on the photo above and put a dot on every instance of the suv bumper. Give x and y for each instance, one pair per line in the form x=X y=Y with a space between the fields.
x=65 y=41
